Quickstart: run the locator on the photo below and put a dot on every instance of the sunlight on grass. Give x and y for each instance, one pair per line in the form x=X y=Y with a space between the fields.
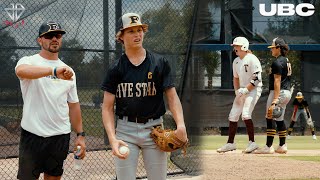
x=296 y=143
x=302 y=158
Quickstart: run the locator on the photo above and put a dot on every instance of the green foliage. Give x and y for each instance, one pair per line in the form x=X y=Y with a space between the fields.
x=168 y=28
x=93 y=71
x=211 y=61
x=90 y=72
x=8 y=60
x=169 y=32
x=72 y=56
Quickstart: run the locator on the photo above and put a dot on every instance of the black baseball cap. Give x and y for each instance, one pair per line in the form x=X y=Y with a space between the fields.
x=277 y=42
x=50 y=26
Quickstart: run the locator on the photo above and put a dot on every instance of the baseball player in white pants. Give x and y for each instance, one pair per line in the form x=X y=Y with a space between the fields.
x=247 y=83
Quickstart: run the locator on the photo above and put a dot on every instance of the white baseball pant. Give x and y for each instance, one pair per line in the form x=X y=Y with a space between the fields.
x=137 y=136
x=284 y=98
x=244 y=105
x=305 y=117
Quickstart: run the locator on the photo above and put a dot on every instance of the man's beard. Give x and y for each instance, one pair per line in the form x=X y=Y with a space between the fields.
x=53 y=50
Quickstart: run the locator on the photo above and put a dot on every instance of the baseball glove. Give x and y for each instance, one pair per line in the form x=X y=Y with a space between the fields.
x=167 y=141
x=274 y=112
x=310 y=122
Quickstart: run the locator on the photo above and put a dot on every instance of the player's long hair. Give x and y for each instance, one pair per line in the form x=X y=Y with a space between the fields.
x=284 y=49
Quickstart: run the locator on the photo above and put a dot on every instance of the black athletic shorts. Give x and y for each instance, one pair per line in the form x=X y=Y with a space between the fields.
x=38 y=154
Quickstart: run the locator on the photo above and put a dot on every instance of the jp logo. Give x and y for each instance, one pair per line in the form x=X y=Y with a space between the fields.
x=303 y=9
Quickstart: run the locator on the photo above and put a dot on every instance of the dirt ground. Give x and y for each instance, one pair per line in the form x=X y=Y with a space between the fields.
x=225 y=166
x=236 y=165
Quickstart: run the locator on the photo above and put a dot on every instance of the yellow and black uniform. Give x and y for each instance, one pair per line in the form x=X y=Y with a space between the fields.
x=139 y=89
x=280 y=66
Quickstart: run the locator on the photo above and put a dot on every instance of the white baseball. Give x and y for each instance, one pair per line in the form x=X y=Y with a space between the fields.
x=124 y=150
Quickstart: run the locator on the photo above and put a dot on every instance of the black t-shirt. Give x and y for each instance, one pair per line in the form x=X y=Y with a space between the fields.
x=139 y=89
x=301 y=104
x=281 y=66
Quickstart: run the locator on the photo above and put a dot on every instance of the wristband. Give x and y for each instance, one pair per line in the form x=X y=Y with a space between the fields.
x=81 y=134
x=55 y=72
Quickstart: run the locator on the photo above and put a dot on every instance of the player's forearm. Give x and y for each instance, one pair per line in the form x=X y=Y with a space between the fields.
x=108 y=123
x=75 y=117
x=175 y=107
x=276 y=91
x=250 y=87
x=236 y=83
x=108 y=115
x=277 y=84
x=25 y=71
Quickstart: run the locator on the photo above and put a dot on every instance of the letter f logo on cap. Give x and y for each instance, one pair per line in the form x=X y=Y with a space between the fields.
x=53 y=26
x=134 y=19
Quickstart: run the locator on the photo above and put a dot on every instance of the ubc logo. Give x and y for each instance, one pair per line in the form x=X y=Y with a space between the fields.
x=303 y=9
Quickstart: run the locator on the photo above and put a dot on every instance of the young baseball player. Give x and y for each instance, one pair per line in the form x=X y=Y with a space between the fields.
x=247 y=84
x=301 y=109
x=136 y=84
x=279 y=94
x=51 y=106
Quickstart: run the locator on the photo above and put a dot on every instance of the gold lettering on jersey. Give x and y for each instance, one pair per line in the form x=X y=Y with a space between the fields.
x=144 y=89
x=149 y=75
x=130 y=87
x=124 y=90
x=139 y=90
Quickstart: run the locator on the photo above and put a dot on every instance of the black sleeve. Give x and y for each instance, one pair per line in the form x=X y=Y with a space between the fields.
x=295 y=102
x=305 y=103
x=168 y=79
x=111 y=80
x=276 y=68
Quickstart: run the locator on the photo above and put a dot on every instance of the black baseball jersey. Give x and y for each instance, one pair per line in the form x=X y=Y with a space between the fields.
x=281 y=66
x=301 y=104
x=139 y=89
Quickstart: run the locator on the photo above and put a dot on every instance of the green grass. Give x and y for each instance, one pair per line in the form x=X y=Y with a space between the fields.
x=92 y=122
x=303 y=158
x=296 y=143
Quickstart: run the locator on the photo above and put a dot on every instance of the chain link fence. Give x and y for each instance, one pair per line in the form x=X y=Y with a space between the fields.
x=88 y=47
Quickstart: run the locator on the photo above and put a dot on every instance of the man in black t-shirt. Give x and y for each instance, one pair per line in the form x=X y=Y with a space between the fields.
x=136 y=83
x=301 y=110
x=279 y=94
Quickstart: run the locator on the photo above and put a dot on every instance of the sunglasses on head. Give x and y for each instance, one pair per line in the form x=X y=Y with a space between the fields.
x=51 y=35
